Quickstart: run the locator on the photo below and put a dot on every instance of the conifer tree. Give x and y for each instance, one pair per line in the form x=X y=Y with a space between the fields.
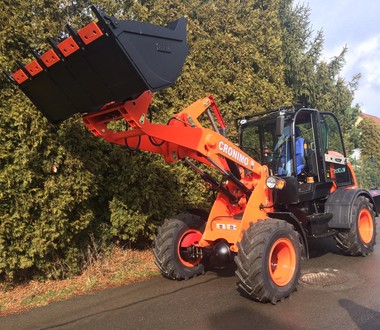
x=367 y=167
x=315 y=82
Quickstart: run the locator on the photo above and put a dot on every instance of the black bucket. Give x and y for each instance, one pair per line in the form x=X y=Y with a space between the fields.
x=106 y=61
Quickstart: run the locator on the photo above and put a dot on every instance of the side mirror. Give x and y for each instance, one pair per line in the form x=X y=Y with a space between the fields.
x=280 y=123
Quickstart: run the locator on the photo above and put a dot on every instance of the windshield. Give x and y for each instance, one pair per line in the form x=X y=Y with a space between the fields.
x=282 y=159
x=260 y=141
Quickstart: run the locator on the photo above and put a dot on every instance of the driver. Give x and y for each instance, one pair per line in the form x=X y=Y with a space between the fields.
x=284 y=147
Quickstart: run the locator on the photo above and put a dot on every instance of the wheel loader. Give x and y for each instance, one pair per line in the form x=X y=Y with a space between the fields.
x=287 y=182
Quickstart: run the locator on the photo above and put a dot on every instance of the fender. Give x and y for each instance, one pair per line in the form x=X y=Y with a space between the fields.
x=292 y=219
x=375 y=193
x=340 y=204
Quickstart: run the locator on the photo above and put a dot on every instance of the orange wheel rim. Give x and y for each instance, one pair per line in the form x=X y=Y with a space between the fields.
x=365 y=226
x=188 y=238
x=282 y=262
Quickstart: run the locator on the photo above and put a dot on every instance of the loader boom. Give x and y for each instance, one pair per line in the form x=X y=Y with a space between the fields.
x=184 y=138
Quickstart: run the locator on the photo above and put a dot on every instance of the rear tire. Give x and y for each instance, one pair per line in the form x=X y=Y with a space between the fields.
x=268 y=260
x=361 y=238
x=171 y=243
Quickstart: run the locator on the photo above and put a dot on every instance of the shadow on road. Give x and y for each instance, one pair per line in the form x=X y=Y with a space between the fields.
x=320 y=247
x=223 y=270
x=243 y=318
x=365 y=318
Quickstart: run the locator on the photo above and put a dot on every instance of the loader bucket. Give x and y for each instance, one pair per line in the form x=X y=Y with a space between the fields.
x=108 y=60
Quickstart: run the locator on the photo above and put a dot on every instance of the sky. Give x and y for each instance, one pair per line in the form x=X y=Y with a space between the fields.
x=355 y=23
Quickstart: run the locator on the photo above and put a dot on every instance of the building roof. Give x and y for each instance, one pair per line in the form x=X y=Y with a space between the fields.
x=374 y=118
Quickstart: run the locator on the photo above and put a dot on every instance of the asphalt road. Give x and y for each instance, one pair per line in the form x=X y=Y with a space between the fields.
x=335 y=292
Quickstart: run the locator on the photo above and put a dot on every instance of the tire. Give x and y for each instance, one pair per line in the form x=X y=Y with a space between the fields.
x=170 y=243
x=268 y=260
x=361 y=238
x=199 y=212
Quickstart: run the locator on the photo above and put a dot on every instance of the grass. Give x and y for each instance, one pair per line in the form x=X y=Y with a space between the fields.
x=119 y=267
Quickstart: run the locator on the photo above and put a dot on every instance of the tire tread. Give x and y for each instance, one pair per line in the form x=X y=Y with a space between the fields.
x=249 y=260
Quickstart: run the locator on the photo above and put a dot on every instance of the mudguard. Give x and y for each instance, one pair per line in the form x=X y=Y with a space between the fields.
x=340 y=204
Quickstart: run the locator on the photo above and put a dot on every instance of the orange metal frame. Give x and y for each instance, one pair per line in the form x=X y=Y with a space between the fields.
x=184 y=137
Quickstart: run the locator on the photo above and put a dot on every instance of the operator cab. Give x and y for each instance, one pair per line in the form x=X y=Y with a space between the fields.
x=303 y=146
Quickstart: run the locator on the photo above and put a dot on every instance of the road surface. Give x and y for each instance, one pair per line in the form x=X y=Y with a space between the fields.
x=335 y=292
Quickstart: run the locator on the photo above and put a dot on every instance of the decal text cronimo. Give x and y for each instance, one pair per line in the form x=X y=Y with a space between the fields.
x=233 y=153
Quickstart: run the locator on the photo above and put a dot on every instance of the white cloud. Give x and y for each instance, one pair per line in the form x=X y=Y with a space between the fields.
x=355 y=24
x=364 y=58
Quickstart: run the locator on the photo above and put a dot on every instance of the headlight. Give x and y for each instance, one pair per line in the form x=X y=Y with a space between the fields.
x=271 y=182
x=274 y=182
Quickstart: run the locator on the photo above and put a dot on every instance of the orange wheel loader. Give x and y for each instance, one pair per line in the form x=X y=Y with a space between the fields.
x=288 y=181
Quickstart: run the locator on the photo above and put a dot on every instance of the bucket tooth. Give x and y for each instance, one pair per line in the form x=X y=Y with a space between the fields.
x=9 y=76
x=90 y=33
x=68 y=46
x=39 y=60
x=22 y=68
x=19 y=76
x=104 y=18
x=33 y=68
x=54 y=47
x=74 y=34
x=49 y=58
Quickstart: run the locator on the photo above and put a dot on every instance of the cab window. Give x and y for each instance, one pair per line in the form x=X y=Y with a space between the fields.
x=333 y=150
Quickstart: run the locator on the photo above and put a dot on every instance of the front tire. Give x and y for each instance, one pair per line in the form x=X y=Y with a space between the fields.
x=172 y=243
x=268 y=260
x=361 y=238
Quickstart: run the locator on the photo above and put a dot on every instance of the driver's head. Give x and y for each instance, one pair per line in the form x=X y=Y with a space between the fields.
x=297 y=132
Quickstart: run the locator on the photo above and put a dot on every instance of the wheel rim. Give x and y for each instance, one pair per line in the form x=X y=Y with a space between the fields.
x=365 y=226
x=188 y=239
x=282 y=262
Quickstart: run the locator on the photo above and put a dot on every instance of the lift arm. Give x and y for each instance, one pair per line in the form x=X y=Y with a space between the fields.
x=182 y=138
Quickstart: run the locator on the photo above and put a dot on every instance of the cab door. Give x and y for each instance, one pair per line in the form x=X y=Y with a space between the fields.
x=332 y=151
